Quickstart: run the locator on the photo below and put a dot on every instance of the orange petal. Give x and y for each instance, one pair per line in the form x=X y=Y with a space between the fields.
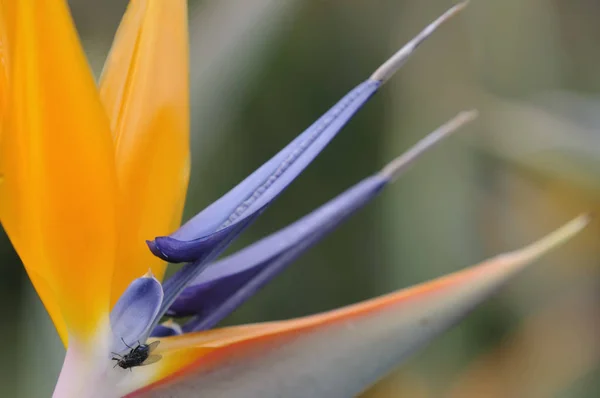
x=57 y=200
x=4 y=60
x=144 y=89
x=6 y=27
x=338 y=353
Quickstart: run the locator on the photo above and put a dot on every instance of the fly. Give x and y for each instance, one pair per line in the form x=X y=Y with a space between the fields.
x=138 y=356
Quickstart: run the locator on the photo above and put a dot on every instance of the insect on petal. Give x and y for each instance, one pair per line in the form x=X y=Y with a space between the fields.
x=145 y=90
x=57 y=199
x=341 y=352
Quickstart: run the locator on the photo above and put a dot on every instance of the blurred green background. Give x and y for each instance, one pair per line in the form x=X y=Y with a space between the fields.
x=263 y=70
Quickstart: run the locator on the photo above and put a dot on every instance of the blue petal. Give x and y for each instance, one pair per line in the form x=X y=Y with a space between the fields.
x=226 y=284
x=256 y=192
x=249 y=198
x=132 y=317
x=204 y=237
x=233 y=280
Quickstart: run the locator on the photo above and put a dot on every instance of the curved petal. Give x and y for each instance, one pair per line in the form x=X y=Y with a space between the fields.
x=132 y=316
x=144 y=88
x=57 y=200
x=226 y=284
x=249 y=198
x=335 y=354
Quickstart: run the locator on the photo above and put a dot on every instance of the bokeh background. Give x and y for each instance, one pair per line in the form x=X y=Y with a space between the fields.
x=263 y=70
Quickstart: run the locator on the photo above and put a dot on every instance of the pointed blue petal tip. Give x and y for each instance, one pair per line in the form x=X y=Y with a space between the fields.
x=155 y=250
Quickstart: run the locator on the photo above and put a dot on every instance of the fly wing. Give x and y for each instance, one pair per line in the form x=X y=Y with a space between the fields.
x=153 y=345
x=151 y=359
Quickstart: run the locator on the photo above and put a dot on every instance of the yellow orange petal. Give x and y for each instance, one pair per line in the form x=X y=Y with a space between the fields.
x=340 y=352
x=4 y=62
x=144 y=88
x=58 y=197
x=44 y=292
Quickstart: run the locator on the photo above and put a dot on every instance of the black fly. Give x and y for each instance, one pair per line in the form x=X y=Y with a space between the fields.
x=138 y=356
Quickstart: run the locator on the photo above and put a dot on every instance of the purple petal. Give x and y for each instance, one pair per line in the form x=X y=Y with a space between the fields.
x=133 y=315
x=204 y=237
x=258 y=190
x=177 y=283
x=226 y=284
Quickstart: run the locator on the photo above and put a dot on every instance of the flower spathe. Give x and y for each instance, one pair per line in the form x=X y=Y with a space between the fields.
x=93 y=171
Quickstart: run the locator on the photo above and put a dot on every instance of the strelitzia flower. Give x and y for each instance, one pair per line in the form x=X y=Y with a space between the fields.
x=93 y=171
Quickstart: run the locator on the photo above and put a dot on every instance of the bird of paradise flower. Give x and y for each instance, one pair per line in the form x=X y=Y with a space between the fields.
x=93 y=171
